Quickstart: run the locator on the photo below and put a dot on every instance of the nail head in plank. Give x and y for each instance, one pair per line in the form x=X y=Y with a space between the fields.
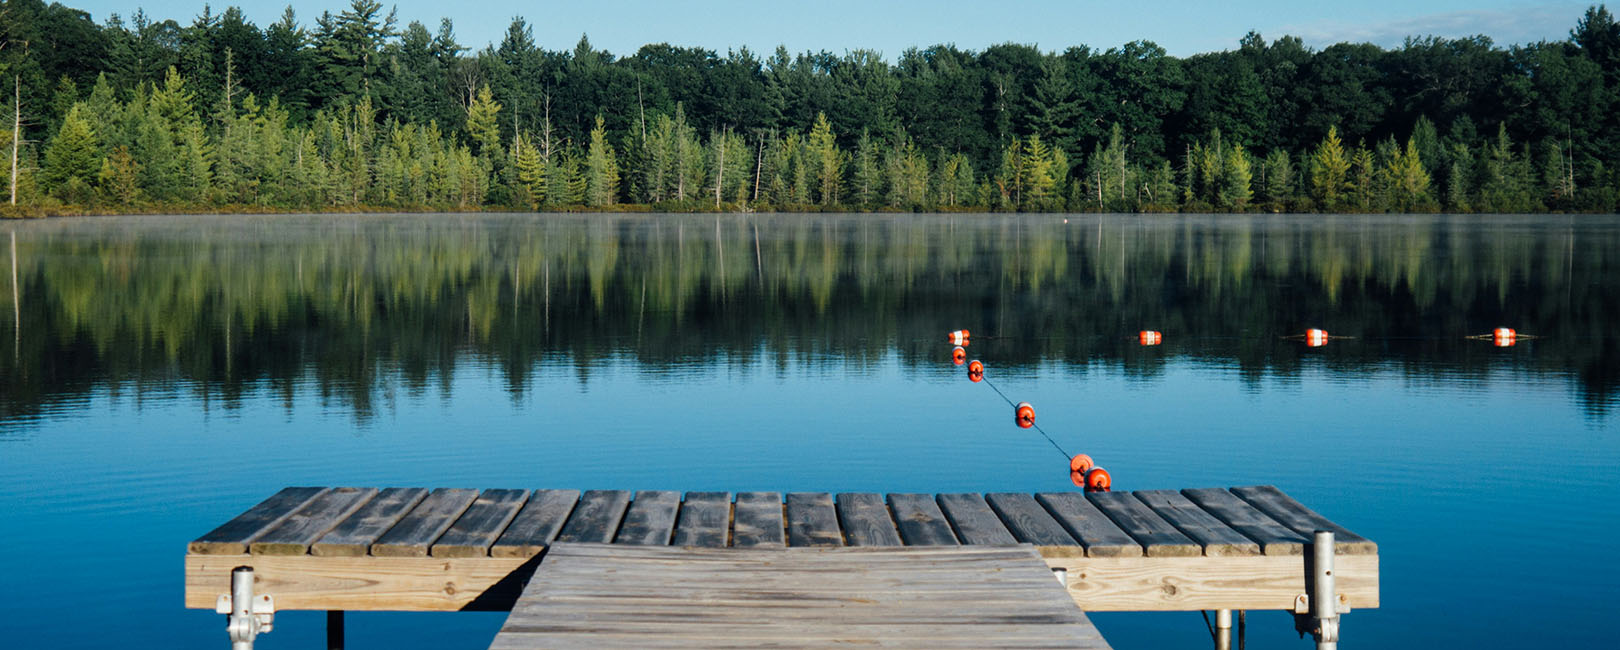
x=1157 y=537
x=354 y=536
x=481 y=524
x=1274 y=538
x=974 y=521
x=920 y=521
x=1100 y=536
x=536 y=524
x=1303 y=520
x=812 y=520
x=415 y=533
x=232 y=537
x=651 y=519
x=758 y=520
x=1217 y=538
x=865 y=520
x=1028 y=521
x=596 y=518
x=300 y=529
x=705 y=520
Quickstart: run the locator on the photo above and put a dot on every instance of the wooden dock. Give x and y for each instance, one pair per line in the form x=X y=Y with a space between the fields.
x=413 y=549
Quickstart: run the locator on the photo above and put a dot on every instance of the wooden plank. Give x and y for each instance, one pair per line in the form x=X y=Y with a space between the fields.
x=364 y=583
x=1031 y=523
x=651 y=518
x=705 y=520
x=1157 y=537
x=1217 y=538
x=974 y=521
x=647 y=597
x=865 y=520
x=1303 y=520
x=300 y=529
x=355 y=535
x=1273 y=538
x=920 y=520
x=233 y=536
x=758 y=520
x=415 y=533
x=536 y=524
x=481 y=524
x=596 y=518
x=812 y=520
x=1100 y=536
x=1253 y=582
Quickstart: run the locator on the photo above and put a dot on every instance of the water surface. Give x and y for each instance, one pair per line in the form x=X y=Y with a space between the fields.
x=160 y=374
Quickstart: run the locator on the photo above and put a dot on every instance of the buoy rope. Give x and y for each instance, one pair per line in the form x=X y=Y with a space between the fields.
x=1037 y=427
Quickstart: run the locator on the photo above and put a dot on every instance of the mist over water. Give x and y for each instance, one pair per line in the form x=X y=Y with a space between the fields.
x=169 y=372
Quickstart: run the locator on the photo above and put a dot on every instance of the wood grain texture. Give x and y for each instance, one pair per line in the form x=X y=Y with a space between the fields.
x=1217 y=538
x=1157 y=537
x=415 y=533
x=759 y=520
x=1162 y=584
x=812 y=520
x=301 y=528
x=355 y=535
x=536 y=524
x=413 y=584
x=974 y=521
x=866 y=520
x=650 y=520
x=705 y=520
x=1031 y=523
x=233 y=536
x=1273 y=538
x=596 y=518
x=481 y=524
x=920 y=520
x=1100 y=536
x=641 y=597
x=1303 y=520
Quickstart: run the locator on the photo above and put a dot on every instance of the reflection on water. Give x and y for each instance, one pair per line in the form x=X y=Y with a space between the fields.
x=171 y=371
x=358 y=309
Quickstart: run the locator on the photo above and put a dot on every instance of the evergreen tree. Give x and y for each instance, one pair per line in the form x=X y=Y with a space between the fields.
x=1330 y=170
x=1236 y=187
x=1279 y=180
x=829 y=160
x=1410 y=179
x=72 y=159
x=483 y=123
x=601 y=169
x=867 y=173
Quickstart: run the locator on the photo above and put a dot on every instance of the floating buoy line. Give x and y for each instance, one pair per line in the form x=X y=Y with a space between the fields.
x=1083 y=470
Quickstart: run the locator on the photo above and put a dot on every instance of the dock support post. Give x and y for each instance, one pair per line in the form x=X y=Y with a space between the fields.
x=1324 y=594
x=334 y=629
x=1223 y=629
x=248 y=616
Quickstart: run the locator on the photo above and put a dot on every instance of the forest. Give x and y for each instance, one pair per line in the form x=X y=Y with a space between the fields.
x=361 y=110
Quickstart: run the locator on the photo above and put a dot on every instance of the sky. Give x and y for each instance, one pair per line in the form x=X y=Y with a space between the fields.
x=1182 y=27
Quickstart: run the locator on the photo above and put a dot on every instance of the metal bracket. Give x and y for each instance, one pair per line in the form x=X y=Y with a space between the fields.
x=1302 y=604
x=249 y=615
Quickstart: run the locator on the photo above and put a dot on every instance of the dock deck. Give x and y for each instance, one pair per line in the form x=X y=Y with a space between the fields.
x=414 y=549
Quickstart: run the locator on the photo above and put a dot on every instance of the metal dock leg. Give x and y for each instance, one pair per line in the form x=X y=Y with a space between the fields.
x=334 y=629
x=1318 y=610
x=1223 y=629
x=249 y=616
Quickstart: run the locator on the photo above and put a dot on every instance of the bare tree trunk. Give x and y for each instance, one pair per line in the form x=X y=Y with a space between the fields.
x=720 y=171
x=759 y=163
x=16 y=133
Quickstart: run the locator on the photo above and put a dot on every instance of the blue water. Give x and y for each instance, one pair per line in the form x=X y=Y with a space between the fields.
x=1486 y=475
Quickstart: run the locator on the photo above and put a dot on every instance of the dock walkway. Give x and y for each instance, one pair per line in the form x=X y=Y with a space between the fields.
x=414 y=549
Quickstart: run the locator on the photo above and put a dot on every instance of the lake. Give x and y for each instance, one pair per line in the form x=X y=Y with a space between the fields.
x=159 y=375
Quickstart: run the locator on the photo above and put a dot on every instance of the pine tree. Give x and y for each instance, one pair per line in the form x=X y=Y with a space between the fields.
x=117 y=177
x=1329 y=171
x=1363 y=179
x=829 y=160
x=867 y=172
x=72 y=158
x=1279 y=180
x=531 y=172
x=601 y=169
x=1410 y=181
x=1236 y=181
x=482 y=124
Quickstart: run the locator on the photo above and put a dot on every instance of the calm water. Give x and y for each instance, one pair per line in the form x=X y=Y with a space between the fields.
x=169 y=372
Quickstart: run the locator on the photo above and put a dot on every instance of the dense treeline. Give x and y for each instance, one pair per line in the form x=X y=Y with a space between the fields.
x=357 y=110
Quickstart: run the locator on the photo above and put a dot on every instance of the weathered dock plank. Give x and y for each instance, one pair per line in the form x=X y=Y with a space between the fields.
x=920 y=520
x=759 y=520
x=1157 y=537
x=1100 y=536
x=356 y=534
x=651 y=519
x=812 y=520
x=1032 y=524
x=482 y=523
x=1217 y=538
x=1303 y=520
x=921 y=597
x=974 y=521
x=1273 y=538
x=234 y=536
x=415 y=533
x=539 y=522
x=596 y=518
x=300 y=529
x=866 y=521
x=705 y=520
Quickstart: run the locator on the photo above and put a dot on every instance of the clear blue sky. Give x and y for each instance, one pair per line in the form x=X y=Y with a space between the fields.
x=1183 y=27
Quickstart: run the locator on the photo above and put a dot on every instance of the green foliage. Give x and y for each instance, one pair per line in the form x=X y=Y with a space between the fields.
x=1330 y=171
x=72 y=159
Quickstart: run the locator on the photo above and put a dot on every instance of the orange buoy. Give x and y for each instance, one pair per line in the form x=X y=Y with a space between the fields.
x=1504 y=337
x=1098 y=480
x=1079 y=478
x=1024 y=415
x=959 y=337
x=975 y=371
x=1149 y=337
x=959 y=356
x=1081 y=463
x=1316 y=338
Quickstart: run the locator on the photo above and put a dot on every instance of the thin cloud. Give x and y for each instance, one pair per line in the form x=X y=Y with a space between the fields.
x=1550 y=22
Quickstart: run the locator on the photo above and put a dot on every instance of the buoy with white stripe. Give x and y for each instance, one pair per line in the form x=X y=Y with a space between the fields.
x=1316 y=338
x=1505 y=337
x=1149 y=337
x=1024 y=415
x=959 y=337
